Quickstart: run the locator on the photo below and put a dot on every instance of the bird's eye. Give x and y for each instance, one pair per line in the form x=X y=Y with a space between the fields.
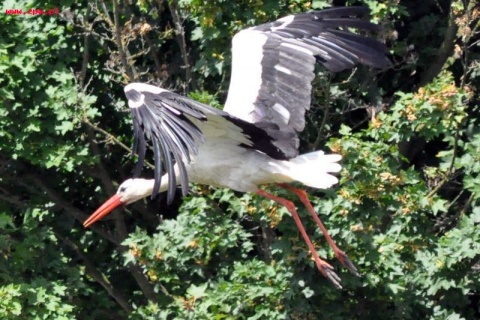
x=122 y=189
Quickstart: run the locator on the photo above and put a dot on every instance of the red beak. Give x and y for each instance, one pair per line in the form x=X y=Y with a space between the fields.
x=109 y=205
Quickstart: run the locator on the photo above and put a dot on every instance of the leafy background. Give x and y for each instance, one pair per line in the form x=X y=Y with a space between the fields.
x=407 y=210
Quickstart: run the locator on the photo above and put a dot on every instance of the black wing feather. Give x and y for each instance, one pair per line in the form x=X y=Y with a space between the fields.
x=139 y=148
x=157 y=153
x=160 y=118
x=287 y=50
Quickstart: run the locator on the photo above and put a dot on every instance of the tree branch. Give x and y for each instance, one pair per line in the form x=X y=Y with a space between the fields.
x=180 y=37
x=12 y=199
x=445 y=50
x=101 y=172
x=86 y=50
x=111 y=137
x=69 y=208
x=97 y=275
x=131 y=73
x=120 y=226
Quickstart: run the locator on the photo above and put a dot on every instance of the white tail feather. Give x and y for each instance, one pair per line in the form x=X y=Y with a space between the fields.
x=312 y=169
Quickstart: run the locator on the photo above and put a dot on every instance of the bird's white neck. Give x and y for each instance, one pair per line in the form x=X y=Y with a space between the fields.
x=132 y=190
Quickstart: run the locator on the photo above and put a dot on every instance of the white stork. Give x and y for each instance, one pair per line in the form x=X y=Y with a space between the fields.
x=254 y=141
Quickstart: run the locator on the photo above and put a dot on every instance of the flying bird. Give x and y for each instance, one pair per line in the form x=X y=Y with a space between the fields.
x=254 y=140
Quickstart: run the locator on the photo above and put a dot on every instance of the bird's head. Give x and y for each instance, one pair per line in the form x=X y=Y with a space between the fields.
x=129 y=191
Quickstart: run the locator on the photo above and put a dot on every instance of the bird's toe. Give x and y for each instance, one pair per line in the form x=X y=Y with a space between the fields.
x=345 y=260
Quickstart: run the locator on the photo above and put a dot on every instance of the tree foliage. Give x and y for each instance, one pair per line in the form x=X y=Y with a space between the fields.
x=407 y=208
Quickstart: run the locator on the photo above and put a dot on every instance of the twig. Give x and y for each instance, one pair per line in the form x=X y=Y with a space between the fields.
x=450 y=168
x=107 y=15
x=466 y=39
x=86 y=50
x=101 y=172
x=467 y=204
x=111 y=137
x=180 y=37
x=131 y=72
x=326 y=114
x=152 y=49
x=455 y=200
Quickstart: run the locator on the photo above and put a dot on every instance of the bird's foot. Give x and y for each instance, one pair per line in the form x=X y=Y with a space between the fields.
x=347 y=263
x=329 y=273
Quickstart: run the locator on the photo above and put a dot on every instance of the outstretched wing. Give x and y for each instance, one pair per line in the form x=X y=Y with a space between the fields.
x=273 y=64
x=171 y=123
x=160 y=117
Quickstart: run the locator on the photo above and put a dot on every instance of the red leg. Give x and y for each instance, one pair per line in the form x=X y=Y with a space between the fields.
x=324 y=267
x=342 y=256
